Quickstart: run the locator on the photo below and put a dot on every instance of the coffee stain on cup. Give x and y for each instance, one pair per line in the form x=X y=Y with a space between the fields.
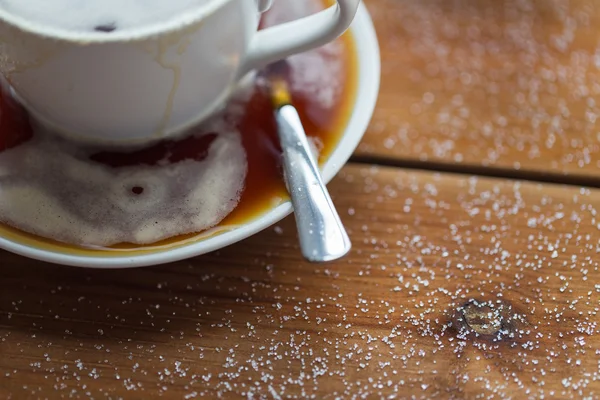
x=175 y=68
x=17 y=46
x=174 y=45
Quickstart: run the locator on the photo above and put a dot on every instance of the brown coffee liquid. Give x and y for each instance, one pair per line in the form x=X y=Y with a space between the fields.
x=264 y=187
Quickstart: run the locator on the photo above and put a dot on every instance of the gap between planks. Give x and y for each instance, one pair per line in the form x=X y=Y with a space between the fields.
x=479 y=170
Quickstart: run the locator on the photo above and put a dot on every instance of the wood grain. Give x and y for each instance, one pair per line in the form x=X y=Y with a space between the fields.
x=457 y=287
x=503 y=83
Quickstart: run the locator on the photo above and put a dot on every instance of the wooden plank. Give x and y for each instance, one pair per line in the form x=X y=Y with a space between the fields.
x=457 y=287
x=501 y=83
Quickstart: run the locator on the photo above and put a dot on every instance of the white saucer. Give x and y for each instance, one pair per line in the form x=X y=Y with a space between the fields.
x=367 y=90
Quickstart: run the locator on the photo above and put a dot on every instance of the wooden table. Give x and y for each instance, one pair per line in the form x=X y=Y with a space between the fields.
x=475 y=217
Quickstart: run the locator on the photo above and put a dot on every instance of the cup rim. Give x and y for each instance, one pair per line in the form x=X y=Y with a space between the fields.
x=176 y=24
x=369 y=70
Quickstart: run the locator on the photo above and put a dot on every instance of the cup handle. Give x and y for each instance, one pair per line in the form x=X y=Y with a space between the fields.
x=301 y=35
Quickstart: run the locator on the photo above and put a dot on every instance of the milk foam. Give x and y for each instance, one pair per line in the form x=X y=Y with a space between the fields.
x=51 y=189
x=103 y=15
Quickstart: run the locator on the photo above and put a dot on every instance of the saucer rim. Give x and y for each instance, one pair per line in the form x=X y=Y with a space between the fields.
x=369 y=72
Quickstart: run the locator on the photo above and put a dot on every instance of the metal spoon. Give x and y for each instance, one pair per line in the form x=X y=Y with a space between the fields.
x=321 y=233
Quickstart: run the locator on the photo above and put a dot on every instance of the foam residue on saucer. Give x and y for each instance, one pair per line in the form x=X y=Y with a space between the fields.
x=54 y=190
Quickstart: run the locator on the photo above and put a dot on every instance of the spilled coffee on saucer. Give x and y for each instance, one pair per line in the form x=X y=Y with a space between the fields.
x=222 y=174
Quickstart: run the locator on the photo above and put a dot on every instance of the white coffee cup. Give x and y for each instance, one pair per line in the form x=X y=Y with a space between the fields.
x=136 y=86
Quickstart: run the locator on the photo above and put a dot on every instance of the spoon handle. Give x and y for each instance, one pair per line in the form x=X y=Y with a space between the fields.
x=321 y=233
